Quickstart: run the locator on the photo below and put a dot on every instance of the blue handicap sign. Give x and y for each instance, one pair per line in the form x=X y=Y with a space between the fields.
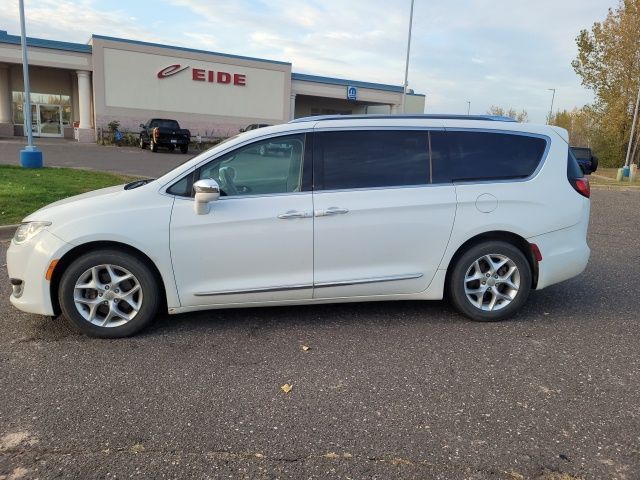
x=352 y=93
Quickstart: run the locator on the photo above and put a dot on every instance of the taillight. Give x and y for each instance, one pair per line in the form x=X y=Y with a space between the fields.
x=582 y=186
x=575 y=176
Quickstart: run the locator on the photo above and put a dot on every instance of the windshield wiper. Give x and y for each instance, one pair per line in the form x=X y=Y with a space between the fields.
x=138 y=183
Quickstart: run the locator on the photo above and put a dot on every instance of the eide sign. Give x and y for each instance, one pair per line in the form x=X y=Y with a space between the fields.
x=202 y=75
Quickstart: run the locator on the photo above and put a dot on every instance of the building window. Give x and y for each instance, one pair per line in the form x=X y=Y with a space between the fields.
x=43 y=99
x=329 y=111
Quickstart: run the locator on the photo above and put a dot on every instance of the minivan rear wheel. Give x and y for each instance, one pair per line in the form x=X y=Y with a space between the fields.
x=490 y=282
x=108 y=294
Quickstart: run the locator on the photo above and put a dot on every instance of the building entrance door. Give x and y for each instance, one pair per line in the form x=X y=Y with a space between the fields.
x=46 y=120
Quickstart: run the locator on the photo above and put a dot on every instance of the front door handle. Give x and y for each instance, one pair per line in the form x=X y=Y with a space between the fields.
x=331 y=211
x=294 y=214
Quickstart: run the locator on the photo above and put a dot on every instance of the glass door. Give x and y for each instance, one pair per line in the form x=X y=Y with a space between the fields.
x=49 y=120
x=35 y=124
x=46 y=120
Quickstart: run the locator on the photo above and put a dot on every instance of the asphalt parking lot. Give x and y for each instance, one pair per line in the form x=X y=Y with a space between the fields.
x=387 y=390
x=58 y=152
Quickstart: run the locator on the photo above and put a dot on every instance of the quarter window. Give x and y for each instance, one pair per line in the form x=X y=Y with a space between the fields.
x=367 y=159
x=472 y=156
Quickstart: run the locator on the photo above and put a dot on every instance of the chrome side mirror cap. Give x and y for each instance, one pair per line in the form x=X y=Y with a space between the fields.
x=207 y=190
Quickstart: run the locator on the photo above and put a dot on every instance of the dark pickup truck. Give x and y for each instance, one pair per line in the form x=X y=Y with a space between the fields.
x=160 y=132
x=586 y=159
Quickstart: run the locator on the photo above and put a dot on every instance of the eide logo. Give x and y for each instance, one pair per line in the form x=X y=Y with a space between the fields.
x=202 y=75
x=170 y=70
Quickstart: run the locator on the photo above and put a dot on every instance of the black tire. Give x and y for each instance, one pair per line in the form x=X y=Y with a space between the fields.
x=142 y=144
x=149 y=291
x=184 y=148
x=456 y=282
x=172 y=148
x=153 y=146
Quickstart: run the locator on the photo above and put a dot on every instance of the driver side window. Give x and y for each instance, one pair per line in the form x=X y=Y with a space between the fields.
x=261 y=168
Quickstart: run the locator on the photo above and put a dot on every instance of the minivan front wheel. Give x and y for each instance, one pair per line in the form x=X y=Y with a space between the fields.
x=490 y=281
x=108 y=294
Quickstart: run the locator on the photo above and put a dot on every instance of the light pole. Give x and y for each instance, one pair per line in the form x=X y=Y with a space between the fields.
x=633 y=129
x=468 y=107
x=552 y=98
x=30 y=156
x=406 y=67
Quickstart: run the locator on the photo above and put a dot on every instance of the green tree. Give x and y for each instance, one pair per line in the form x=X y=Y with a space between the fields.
x=608 y=63
x=580 y=123
x=521 y=116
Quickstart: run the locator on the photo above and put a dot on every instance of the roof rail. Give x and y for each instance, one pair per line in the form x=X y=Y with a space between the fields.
x=415 y=116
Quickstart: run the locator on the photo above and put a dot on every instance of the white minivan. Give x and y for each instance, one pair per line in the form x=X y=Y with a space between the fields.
x=320 y=210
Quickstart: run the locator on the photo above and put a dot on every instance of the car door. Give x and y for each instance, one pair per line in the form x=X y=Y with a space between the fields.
x=255 y=244
x=381 y=223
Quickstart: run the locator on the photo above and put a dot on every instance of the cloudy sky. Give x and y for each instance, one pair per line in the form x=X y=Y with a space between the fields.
x=490 y=52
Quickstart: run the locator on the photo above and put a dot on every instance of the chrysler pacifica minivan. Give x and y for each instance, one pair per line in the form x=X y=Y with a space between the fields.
x=355 y=208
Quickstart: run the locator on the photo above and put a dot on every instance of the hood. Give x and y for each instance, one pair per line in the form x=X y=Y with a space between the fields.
x=103 y=192
x=96 y=200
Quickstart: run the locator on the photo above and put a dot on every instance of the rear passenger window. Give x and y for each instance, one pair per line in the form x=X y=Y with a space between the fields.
x=366 y=159
x=472 y=156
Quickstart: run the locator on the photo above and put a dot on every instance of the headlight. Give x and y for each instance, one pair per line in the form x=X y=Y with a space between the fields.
x=27 y=231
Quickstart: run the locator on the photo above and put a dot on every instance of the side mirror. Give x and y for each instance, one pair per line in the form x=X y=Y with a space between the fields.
x=242 y=130
x=142 y=125
x=594 y=163
x=207 y=190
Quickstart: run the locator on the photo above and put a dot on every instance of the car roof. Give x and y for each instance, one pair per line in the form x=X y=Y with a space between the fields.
x=417 y=116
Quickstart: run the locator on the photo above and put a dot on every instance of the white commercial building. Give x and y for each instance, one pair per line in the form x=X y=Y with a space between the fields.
x=78 y=88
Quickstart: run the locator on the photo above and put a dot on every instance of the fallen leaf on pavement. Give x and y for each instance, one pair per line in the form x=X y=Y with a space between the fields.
x=305 y=348
x=286 y=388
x=137 y=448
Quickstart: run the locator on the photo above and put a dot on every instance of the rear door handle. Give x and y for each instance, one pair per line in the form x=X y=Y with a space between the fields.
x=331 y=211
x=294 y=214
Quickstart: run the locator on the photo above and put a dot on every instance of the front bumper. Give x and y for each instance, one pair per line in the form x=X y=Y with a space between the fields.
x=29 y=262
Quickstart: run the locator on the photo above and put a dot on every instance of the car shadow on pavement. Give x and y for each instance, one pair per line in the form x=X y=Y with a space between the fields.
x=308 y=317
x=550 y=304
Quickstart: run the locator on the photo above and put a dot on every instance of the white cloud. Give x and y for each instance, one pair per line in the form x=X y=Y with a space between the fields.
x=73 y=21
x=497 y=52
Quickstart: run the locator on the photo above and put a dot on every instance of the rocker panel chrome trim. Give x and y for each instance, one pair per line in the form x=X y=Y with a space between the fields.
x=358 y=281
x=343 y=283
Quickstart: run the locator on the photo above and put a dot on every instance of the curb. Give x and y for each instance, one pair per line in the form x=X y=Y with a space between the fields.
x=7 y=231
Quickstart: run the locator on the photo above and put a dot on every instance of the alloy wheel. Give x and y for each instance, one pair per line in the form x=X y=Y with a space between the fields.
x=492 y=282
x=107 y=295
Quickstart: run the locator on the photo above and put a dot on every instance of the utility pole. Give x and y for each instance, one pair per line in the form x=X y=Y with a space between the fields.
x=468 y=107
x=633 y=129
x=551 y=109
x=30 y=156
x=406 y=67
